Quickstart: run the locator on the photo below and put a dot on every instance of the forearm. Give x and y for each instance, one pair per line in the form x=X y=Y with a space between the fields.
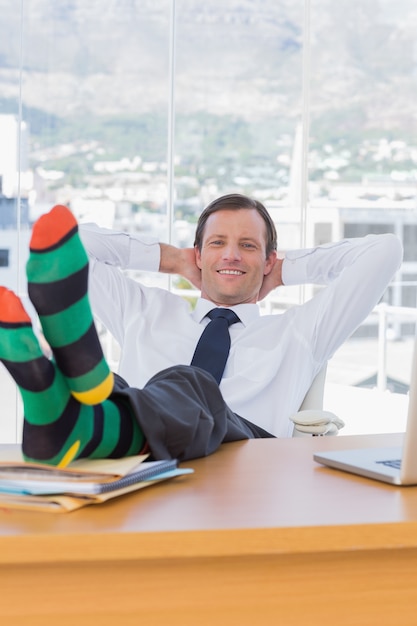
x=128 y=251
x=272 y=280
x=179 y=261
x=171 y=261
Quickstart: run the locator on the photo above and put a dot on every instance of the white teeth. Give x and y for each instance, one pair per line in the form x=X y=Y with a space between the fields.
x=232 y=272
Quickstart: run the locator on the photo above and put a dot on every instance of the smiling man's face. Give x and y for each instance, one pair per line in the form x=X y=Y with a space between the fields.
x=233 y=259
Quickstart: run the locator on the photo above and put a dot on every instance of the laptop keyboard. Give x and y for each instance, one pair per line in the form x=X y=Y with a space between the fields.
x=396 y=463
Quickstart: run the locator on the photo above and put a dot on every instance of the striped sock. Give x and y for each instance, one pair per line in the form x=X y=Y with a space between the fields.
x=57 y=428
x=57 y=272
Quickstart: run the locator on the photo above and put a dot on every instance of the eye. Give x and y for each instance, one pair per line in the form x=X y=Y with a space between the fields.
x=249 y=246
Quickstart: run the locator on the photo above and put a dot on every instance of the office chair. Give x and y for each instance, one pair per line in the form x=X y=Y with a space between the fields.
x=311 y=419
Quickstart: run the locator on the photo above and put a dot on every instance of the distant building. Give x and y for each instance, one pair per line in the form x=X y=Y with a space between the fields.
x=14 y=252
x=13 y=213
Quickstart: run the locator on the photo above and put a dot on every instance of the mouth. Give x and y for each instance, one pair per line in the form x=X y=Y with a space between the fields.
x=230 y=272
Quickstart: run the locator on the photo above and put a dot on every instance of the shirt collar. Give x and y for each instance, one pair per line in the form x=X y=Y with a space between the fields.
x=247 y=313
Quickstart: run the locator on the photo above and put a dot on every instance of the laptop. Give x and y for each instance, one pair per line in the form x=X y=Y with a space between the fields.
x=396 y=465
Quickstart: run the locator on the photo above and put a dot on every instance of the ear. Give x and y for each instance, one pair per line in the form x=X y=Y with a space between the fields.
x=197 y=257
x=270 y=262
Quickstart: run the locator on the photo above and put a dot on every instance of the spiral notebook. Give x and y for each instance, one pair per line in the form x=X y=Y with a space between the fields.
x=396 y=465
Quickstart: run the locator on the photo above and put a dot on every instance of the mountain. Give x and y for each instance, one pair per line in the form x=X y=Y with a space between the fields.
x=236 y=57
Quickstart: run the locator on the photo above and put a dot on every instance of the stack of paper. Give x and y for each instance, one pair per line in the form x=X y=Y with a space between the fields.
x=47 y=488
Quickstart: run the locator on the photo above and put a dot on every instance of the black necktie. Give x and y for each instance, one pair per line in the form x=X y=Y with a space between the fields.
x=214 y=344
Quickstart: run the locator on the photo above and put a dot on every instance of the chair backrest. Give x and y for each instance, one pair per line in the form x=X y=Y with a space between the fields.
x=313 y=400
x=315 y=395
x=311 y=419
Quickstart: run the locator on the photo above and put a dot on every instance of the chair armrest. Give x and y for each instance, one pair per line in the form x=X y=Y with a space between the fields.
x=316 y=422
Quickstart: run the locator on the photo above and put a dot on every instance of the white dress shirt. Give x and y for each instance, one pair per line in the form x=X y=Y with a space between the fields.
x=273 y=358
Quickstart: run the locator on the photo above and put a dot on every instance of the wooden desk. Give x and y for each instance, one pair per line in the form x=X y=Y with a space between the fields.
x=260 y=534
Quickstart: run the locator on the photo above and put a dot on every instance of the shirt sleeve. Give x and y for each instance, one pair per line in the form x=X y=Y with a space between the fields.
x=356 y=273
x=120 y=249
x=322 y=265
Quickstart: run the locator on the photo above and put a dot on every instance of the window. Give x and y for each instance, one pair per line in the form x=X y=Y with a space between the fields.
x=4 y=257
x=322 y=233
x=410 y=242
x=137 y=114
x=361 y=230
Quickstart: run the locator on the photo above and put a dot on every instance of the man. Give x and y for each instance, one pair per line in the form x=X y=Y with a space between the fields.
x=273 y=359
x=181 y=410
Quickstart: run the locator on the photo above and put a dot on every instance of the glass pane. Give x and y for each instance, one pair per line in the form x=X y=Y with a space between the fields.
x=95 y=98
x=94 y=102
x=363 y=164
x=238 y=106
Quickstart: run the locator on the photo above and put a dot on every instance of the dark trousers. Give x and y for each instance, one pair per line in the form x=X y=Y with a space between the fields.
x=182 y=413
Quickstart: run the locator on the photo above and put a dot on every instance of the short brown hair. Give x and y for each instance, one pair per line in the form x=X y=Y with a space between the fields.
x=235 y=202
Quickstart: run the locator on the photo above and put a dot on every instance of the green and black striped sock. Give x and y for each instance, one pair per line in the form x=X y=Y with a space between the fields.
x=57 y=428
x=57 y=272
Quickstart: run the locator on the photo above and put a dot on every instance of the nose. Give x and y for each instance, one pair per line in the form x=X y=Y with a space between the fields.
x=231 y=252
